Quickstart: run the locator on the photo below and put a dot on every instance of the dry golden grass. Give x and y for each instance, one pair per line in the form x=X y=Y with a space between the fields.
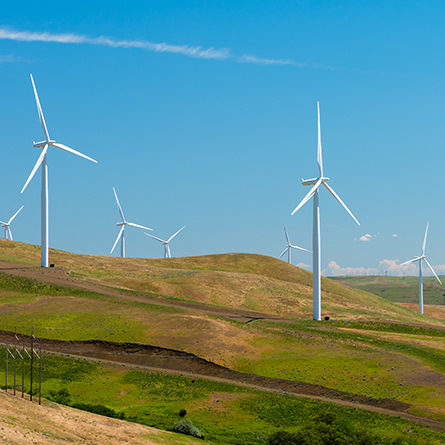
x=244 y=281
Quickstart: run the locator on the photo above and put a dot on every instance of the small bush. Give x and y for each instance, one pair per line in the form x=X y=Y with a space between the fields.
x=61 y=396
x=182 y=412
x=186 y=426
x=99 y=409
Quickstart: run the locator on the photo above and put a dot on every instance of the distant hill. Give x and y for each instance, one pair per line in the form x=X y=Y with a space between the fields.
x=398 y=289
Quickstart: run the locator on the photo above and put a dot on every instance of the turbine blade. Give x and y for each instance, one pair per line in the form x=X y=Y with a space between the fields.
x=175 y=234
x=410 y=261
x=15 y=214
x=429 y=265
x=39 y=161
x=3 y=223
x=156 y=238
x=331 y=190
x=308 y=196
x=424 y=240
x=119 y=206
x=284 y=251
x=39 y=109
x=137 y=225
x=299 y=248
x=70 y=150
x=287 y=235
x=319 y=155
x=118 y=238
x=10 y=233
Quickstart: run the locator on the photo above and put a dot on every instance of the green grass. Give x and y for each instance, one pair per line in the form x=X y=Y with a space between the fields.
x=225 y=413
x=397 y=289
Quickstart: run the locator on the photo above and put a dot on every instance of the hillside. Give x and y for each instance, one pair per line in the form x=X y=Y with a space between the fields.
x=398 y=289
x=50 y=424
x=244 y=281
x=249 y=313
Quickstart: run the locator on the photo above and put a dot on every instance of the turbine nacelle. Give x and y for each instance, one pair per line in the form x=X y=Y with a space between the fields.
x=313 y=181
x=43 y=143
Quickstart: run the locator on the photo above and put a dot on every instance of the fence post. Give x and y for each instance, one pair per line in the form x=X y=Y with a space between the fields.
x=32 y=360
x=6 y=370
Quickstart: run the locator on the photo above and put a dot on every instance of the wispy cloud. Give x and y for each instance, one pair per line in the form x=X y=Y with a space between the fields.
x=9 y=59
x=366 y=237
x=185 y=50
x=261 y=61
x=78 y=39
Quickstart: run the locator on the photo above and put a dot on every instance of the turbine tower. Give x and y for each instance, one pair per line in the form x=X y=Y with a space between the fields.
x=167 y=253
x=316 y=240
x=41 y=161
x=290 y=246
x=122 y=225
x=7 y=225
x=419 y=259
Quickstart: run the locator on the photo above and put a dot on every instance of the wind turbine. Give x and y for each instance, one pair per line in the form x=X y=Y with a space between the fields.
x=419 y=259
x=7 y=225
x=41 y=161
x=316 y=240
x=122 y=224
x=167 y=253
x=290 y=246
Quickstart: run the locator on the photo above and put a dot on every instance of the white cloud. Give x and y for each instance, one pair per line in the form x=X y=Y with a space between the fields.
x=394 y=235
x=385 y=267
x=186 y=50
x=366 y=237
x=8 y=58
x=303 y=266
x=334 y=269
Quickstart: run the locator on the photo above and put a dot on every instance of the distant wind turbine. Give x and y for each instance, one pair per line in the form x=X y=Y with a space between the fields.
x=8 y=224
x=122 y=224
x=167 y=253
x=316 y=241
x=42 y=161
x=419 y=259
x=290 y=246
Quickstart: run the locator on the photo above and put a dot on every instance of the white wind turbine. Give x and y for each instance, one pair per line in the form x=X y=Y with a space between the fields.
x=316 y=248
x=419 y=259
x=41 y=161
x=290 y=246
x=122 y=224
x=167 y=253
x=7 y=225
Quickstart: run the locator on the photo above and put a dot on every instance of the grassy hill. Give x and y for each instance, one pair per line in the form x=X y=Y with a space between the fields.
x=245 y=281
x=398 y=289
x=371 y=346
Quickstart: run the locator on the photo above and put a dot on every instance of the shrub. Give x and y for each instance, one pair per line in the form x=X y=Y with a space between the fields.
x=61 y=396
x=186 y=426
x=99 y=409
x=182 y=412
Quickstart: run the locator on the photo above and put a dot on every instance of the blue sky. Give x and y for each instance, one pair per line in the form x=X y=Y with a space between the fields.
x=204 y=114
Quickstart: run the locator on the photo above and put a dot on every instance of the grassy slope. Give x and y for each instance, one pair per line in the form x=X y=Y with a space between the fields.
x=246 y=281
x=398 y=289
x=225 y=413
x=372 y=359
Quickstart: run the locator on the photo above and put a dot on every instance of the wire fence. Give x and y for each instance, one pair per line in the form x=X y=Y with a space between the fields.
x=19 y=361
